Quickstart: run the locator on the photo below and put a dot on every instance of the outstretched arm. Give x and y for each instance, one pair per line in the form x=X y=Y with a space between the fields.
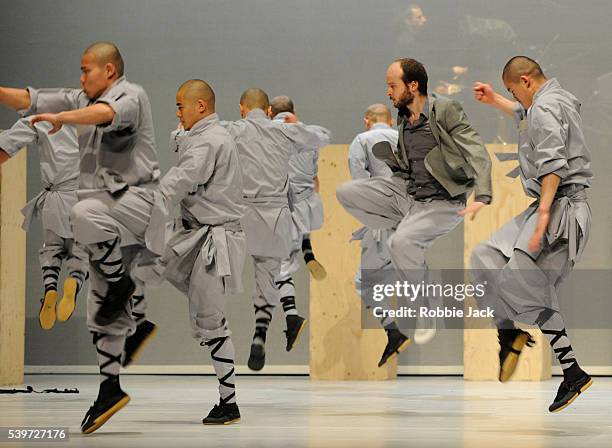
x=17 y=99
x=484 y=93
x=306 y=137
x=14 y=139
x=96 y=114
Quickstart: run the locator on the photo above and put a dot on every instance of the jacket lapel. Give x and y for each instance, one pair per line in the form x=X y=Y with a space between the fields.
x=401 y=156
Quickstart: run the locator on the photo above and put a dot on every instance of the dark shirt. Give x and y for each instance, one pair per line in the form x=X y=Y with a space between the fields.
x=418 y=141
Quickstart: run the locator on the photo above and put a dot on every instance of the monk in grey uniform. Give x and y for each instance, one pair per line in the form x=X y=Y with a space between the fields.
x=307 y=216
x=59 y=173
x=119 y=171
x=526 y=260
x=204 y=259
x=363 y=164
x=439 y=160
x=307 y=211
x=264 y=147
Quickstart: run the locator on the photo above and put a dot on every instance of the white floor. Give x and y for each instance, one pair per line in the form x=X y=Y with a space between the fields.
x=440 y=412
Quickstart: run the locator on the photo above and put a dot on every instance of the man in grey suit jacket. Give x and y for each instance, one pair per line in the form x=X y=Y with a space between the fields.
x=438 y=161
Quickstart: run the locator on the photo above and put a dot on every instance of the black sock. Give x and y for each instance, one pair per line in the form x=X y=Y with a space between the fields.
x=307 y=250
x=573 y=372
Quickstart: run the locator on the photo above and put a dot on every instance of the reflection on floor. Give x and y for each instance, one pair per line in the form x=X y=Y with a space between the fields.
x=440 y=412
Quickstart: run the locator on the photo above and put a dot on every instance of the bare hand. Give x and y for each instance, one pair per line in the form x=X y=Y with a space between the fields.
x=484 y=93
x=535 y=242
x=290 y=118
x=472 y=209
x=54 y=119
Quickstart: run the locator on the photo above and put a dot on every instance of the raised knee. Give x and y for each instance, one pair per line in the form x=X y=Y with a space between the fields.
x=477 y=257
x=399 y=243
x=344 y=192
x=82 y=210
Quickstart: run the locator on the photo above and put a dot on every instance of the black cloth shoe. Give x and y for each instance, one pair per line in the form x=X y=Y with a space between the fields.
x=223 y=414
x=397 y=342
x=110 y=400
x=113 y=304
x=257 y=358
x=572 y=386
x=136 y=342
x=511 y=343
x=295 y=325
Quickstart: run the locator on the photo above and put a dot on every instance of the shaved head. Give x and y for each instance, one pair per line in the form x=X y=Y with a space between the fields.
x=195 y=100
x=255 y=99
x=196 y=89
x=521 y=66
x=105 y=53
x=378 y=113
x=281 y=104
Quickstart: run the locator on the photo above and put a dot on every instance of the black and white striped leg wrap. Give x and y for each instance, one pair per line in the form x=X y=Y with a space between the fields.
x=263 y=316
x=222 y=354
x=80 y=278
x=107 y=256
x=109 y=348
x=287 y=293
x=138 y=308
x=561 y=346
x=50 y=275
x=552 y=325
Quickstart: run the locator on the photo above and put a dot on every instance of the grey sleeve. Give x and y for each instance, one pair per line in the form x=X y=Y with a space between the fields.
x=233 y=127
x=358 y=160
x=306 y=137
x=469 y=142
x=19 y=135
x=126 y=107
x=54 y=100
x=548 y=133
x=195 y=167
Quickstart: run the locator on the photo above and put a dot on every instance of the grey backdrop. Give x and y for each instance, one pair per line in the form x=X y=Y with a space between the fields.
x=331 y=58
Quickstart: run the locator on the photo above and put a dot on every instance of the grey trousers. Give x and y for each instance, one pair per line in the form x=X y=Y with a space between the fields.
x=376 y=261
x=57 y=251
x=206 y=295
x=102 y=217
x=383 y=203
x=521 y=287
x=267 y=270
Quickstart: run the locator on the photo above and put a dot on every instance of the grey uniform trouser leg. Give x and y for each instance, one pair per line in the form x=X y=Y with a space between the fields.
x=103 y=217
x=206 y=296
x=57 y=251
x=284 y=282
x=383 y=203
x=266 y=296
x=376 y=262
x=521 y=288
